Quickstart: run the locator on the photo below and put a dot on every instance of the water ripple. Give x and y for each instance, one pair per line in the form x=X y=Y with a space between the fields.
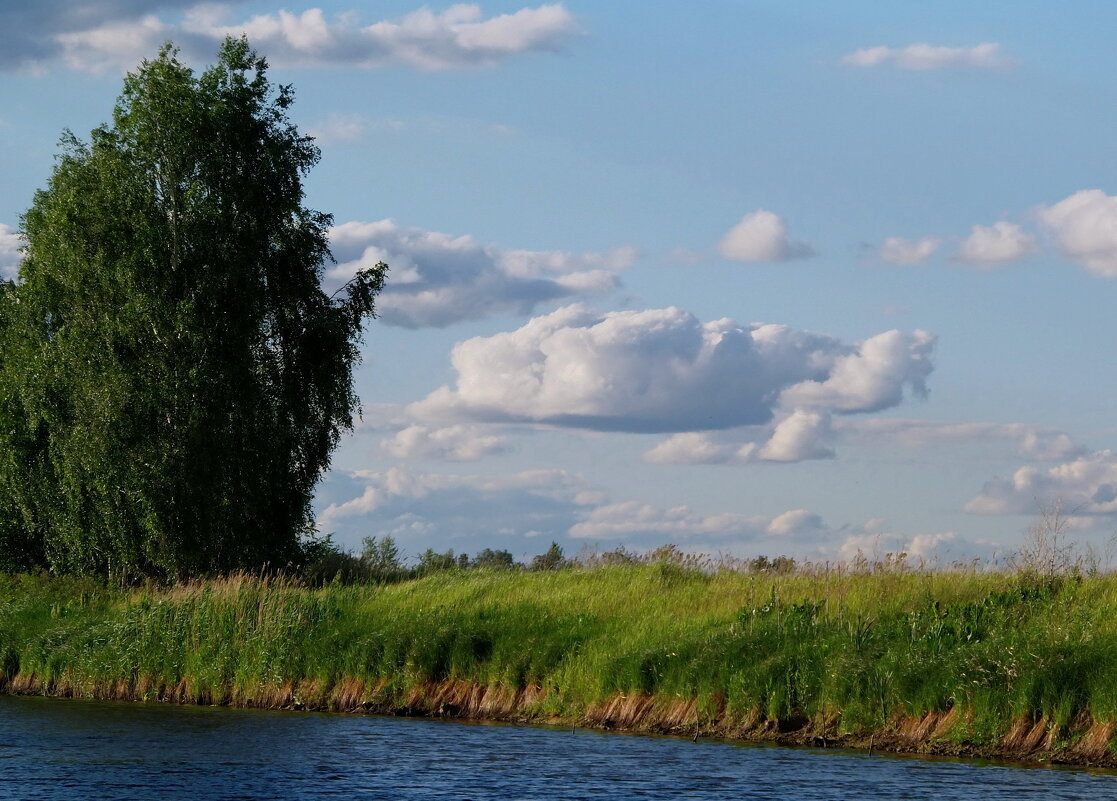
x=53 y=749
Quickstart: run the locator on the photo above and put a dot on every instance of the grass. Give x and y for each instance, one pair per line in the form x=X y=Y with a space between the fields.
x=862 y=649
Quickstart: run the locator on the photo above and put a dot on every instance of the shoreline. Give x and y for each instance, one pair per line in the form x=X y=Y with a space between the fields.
x=995 y=666
x=1027 y=743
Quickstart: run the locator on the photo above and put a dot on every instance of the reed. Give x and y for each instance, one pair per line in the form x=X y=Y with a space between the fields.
x=1019 y=660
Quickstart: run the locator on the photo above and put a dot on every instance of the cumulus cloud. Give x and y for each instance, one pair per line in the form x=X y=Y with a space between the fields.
x=897 y=250
x=453 y=443
x=870 y=378
x=761 y=236
x=922 y=56
x=796 y=523
x=1085 y=227
x=990 y=246
x=10 y=244
x=438 y=279
x=459 y=37
x=32 y=33
x=456 y=38
x=119 y=44
x=1086 y=486
x=799 y=437
x=875 y=540
x=663 y=370
x=1048 y=446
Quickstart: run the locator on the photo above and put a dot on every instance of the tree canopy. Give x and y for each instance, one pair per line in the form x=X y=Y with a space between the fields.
x=173 y=377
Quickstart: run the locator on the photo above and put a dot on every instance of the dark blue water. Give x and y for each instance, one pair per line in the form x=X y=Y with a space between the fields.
x=54 y=749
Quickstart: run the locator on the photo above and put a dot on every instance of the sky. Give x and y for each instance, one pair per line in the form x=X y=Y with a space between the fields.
x=747 y=277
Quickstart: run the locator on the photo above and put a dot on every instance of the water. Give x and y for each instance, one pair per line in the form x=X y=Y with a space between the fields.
x=54 y=749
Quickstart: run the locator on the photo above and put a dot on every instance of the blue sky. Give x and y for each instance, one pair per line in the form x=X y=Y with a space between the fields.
x=748 y=277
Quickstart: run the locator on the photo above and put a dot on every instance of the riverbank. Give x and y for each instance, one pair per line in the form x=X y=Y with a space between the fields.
x=1016 y=666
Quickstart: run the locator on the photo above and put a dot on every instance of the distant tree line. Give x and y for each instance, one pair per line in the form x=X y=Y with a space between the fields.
x=380 y=560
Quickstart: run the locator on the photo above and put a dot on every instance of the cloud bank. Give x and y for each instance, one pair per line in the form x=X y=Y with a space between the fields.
x=31 y=33
x=1032 y=442
x=802 y=436
x=118 y=33
x=1085 y=486
x=520 y=510
x=437 y=279
x=524 y=511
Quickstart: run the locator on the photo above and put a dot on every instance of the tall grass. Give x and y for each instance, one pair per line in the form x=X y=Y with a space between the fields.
x=862 y=648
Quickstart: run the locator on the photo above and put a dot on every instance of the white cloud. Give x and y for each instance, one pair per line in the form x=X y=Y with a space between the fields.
x=338 y=128
x=30 y=31
x=897 y=250
x=875 y=540
x=515 y=510
x=800 y=436
x=986 y=55
x=10 y=244
x=870 y=378
x=1032 y=442
x=938 y=548
x=437 y=279
x=1085 y=227
x=869 y=545
x=1085 y=486
x=507 y=510
x=808 y=435
x=453 y=443
x=795 y=437
x=796 y=523
x=930 y=546
x=664 y=370
x=1048 y=446
x=994 y=245
x=397 y=492
x=691 y=447
x=761 y=236
x=457 y=38
x=118 y=44
x=679 y=522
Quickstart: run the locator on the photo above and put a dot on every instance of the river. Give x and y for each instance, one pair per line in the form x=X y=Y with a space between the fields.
x=58 y=749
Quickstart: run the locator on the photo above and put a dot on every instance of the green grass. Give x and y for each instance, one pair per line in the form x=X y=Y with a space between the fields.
x=870 y=646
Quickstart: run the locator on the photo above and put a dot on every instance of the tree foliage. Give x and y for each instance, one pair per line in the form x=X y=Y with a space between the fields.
x=552 y=559
x=173 y=378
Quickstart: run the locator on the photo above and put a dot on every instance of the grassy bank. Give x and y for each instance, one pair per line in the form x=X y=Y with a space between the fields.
x=953 y=661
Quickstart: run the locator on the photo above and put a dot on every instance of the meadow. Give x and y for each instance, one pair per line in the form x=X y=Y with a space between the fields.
x=1019 y=662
